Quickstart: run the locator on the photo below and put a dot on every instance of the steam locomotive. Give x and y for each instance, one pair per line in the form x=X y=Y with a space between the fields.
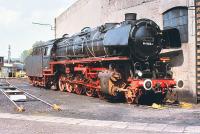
x=114 y=59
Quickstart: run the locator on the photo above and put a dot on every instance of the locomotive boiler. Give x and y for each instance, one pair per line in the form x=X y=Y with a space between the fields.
x=115 y=59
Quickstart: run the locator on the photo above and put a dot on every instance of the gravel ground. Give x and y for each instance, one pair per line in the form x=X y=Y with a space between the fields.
x=76 y=106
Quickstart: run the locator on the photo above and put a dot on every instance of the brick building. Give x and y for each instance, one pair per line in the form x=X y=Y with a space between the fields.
x=166 y=13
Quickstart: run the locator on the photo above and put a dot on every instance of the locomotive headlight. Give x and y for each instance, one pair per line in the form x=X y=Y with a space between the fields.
x=147 y=84
x=139 y=73
x=180 y=84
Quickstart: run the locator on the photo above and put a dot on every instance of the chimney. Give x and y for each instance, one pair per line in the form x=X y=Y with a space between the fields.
x=130 y=16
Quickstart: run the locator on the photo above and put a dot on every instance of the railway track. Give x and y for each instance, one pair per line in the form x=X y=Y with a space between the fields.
x=16 y=95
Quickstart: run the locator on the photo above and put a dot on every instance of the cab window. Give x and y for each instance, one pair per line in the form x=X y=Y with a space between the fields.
x=45 y=51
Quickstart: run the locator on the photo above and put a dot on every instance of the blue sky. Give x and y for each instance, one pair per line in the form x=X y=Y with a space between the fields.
x=16 y=28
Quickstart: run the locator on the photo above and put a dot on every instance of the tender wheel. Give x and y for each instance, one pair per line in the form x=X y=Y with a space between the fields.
x=30 y=81
x=90 y=92
x=78 y=89
x=61 y=83
x=33 y=83
x=69 y=87
x=36 y=83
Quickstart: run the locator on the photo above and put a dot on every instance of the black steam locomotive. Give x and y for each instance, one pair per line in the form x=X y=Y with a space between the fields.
x=115 y=59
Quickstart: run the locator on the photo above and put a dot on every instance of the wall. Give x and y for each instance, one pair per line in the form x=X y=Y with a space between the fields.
x=187 y=71
x=97 y=12
x=93 y=13
x=82 y=14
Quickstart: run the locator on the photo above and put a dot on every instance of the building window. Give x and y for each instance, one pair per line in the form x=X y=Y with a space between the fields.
x=177 y=18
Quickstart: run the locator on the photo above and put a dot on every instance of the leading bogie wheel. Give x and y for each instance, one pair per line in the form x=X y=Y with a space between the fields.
x=130 y=98
x=90 y=92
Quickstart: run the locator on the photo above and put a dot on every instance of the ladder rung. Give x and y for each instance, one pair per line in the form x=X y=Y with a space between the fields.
x=198 y=21
x=198 y=92
x=197 y=10
x=198 y=27
x=198 y=98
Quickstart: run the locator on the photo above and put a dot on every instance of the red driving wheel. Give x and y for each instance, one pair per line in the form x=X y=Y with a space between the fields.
x=61 y=83
x=78 y=89
x=69 y=87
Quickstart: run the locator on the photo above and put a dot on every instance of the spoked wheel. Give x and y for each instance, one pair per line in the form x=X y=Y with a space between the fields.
x=48 y=85
x=130 y=97
x=69 y=87
x=33 y=83
x=36 y=83
x=61 y=83
x=90 y=92
x=101 y=95
x=30 y=81
x=78 y=89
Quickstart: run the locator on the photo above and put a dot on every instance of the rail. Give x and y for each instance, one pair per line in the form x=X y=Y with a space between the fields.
x=7 y=85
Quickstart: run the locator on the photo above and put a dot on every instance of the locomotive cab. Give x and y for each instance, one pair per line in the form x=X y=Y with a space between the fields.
x=39 y=59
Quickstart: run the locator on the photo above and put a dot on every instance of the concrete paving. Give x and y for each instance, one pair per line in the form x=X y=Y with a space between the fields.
x=12 y=126
x=110 y=125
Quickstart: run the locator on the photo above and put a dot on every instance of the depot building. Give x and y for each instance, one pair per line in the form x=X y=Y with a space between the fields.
x=181 y=14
